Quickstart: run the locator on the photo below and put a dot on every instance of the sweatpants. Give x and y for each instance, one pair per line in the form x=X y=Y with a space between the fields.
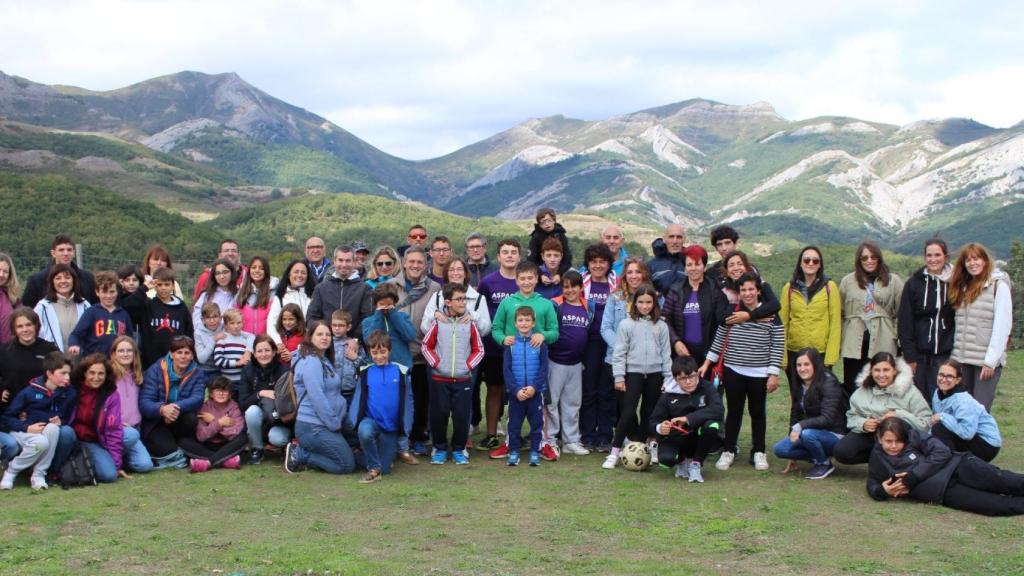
x=37 y=451
x=976 y=445
x=638 y=386
x=421 y=403
x=696 y=445
x=854 y=448
x=753 y=392
x=984 y=391
x=531 y=410
x=598 y=413
x=565 y=389
x=163 y=439
x=216 y=453
x=982 y=488
x=450 y=400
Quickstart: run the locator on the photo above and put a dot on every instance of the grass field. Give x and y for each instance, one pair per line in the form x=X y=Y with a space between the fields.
x=565 y=517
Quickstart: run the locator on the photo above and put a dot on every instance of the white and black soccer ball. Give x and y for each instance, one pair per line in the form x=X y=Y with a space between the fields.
x=635 y=456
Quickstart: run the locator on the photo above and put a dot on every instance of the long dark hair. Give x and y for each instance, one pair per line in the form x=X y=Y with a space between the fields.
x=869 y=380
x=645 y=290
x=725 y=268
x=78 y=377
x=881 y=272
x=211 y=282
x=817 y=363
x=76 y=287
x=249 y=285
x=798 y=272
x=308 y=349
x=285 y=283
x=300 y=318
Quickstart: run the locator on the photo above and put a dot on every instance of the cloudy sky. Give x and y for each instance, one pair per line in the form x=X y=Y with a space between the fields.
x=421 y=79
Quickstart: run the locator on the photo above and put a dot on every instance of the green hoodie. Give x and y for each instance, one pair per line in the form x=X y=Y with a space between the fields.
x=504 y=323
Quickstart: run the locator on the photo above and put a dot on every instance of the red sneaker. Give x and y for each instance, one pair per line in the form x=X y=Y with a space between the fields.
x=199 y=465
x=499 y=452
x=549 y=453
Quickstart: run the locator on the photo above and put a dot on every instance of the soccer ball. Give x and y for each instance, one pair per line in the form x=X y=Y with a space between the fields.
x=635 y=456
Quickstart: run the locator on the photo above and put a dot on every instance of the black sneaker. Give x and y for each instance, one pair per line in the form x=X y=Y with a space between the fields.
x=489 y=442
x=820 y=471
x=291 y=458
x=604 y=447
x=256 y=456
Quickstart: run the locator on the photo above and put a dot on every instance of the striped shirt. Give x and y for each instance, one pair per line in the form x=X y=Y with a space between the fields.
x=228 y=351
x=754 y=349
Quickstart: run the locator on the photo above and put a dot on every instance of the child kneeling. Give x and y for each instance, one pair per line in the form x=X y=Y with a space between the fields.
x=219 y=438
x=381 y=406
x=687 y=419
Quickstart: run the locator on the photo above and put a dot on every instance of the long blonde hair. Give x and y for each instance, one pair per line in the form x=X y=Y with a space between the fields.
x=964 y=288
x=13 y=287
x=118 y=369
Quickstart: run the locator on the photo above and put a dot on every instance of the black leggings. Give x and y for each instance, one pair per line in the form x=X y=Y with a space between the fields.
x=753 y=392
x=215 y=453
x=672 y=449
x=164 y=438
x=982 y=488
x=646 y=386
x=976 y=445
x=854 y=448
x=420 y=403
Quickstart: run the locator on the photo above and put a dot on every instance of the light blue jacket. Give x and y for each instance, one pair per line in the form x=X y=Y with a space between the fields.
x=318 y=389
x=964 y=416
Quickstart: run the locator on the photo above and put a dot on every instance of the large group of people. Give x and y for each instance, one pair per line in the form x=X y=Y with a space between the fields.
x=414 y=353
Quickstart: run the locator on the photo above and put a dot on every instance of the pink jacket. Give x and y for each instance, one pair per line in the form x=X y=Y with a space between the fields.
x=213 y=431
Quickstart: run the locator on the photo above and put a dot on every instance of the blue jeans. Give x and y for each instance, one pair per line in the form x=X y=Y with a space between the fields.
x=9 y=447
x=323 y=449
x=102 y=462
x=254 y=421
x=379 y=446
x=135 y=457
x=65 y=445
x=815 y=446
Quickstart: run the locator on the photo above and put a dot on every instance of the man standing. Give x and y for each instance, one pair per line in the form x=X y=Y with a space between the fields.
x=62 y=251
x=668 y=265
x=228 y=251
x=725 y=239
x=318 y=264
x=342 y=289
x=417 y=236
x=476 y=259
x=440 y=256
x=613 y=238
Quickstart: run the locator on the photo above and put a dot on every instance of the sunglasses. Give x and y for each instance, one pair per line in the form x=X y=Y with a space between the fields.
x=812 y=260
x=868 y=258
x=418 y=236
x=384 y=263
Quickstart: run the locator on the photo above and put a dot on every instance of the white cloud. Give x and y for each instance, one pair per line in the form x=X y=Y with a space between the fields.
x=419 y=79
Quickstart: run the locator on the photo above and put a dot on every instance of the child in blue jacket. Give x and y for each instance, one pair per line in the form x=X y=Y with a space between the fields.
x=526 y=381
x=47 y=402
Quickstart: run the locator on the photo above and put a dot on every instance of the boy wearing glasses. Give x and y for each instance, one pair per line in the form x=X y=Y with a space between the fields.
x=453 y=349
x=686 y=420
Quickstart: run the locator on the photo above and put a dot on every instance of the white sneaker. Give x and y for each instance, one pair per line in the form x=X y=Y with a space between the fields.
x=725 y=460
x=38 y=482
x=576 y=449
x=653 y=447
x=694 y=473
x=8 y=482
x=681 y=470
x=760 y=461
x=610 y=461
x=500 y=431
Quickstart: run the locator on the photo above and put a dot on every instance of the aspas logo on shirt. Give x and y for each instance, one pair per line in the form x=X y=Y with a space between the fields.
x=166 y=323
x=497 y=297
x=574 y=321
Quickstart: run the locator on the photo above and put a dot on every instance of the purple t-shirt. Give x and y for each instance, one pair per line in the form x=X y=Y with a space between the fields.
x=572 y=335
x=692 y=333
x=598 y=298
x=494 y=288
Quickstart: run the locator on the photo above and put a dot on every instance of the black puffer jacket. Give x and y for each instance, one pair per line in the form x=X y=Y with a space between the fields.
x=823 y=407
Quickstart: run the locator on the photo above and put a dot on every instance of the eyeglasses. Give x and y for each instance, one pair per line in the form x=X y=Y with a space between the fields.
x=475 y=246
x=812 y=260
x=459 y=299
x=315 y=247
x=384 y=263
x=222 y=273
x=417 y=236
x=868 y=258
x=947 y=377
x=442 y=250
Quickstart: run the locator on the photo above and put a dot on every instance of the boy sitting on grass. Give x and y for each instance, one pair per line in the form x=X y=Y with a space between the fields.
x=381 y=407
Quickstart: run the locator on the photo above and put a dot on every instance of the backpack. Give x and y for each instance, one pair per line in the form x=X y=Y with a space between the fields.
x=286 y=404
x=77 y=470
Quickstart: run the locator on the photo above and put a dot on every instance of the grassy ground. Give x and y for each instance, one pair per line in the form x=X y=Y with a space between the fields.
x=564 y=517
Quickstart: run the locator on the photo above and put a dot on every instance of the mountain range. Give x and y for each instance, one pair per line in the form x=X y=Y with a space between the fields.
x=216 y=142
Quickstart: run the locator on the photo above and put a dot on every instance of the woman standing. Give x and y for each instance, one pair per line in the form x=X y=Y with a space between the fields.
x=386 y=266
x=821 y=420
x=980 y=293
x=926 y=317
x=691 y=308
x=886 y=389
x=736 y=265
x=753 y=358
x=156 y=257
x=321 y=410
x=10 y=296
x=811 y=313
x=62 y=306
x=296 y=287
x=254 y=296
x=871 y=301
